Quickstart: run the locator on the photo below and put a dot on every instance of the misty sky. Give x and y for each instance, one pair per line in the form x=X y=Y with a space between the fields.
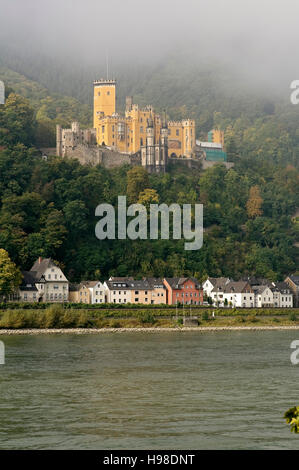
x=259 y=37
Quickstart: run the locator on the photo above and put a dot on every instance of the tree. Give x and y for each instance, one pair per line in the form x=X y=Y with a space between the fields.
x=10 y=275
x=16 y=121
x=137 y=181
x=147 y=197
x=254 y=203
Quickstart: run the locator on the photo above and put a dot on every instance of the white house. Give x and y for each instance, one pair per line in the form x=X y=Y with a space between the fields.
x=118 y=290
x=98 y=292
x=234 y=294
x=282 y=295
x=213 y=282
x=45 y=281
x=263 y=296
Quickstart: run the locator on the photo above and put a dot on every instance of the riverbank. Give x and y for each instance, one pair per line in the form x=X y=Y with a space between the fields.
x=80 y=331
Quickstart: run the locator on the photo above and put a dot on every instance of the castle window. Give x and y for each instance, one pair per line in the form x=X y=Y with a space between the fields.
x=141 y=129
x=141 y=141
x=108 y=92
x=99 y=93
x=177 y=132
x=103 y=128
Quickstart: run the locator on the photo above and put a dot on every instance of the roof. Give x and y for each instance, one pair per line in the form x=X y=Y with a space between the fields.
x=236 y=287
x=295 y=279
x=282 y=287
x=257 y=281
x=127 y=283
x=40 y=266
x=219 y=281
x=89 y=284
x=28 y=282
x=155 y=282
x=177 y=282
x=260 y=289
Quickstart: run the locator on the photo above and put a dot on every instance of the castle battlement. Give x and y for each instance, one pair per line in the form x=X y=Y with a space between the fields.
x=103 y=81
x=174 y=123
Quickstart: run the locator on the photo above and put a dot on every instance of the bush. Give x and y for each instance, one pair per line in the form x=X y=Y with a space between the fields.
x=205 y=316
x=293 y=316
x=53 y=316
x=147 y=318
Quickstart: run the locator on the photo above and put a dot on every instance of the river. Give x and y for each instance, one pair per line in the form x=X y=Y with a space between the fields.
x=166 y=390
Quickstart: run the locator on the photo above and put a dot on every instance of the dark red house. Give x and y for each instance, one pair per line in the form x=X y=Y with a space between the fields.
x=184 y=290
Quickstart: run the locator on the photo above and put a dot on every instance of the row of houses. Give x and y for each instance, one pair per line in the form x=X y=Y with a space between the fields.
x=46 y=282
x=252 y=292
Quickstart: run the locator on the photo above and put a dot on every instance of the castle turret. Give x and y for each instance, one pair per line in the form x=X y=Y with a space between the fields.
x=76 y=127
x=104 y=97
x=58 y=141
x=129 y=103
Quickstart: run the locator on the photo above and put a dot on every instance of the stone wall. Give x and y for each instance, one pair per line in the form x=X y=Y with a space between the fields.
x=93 y=155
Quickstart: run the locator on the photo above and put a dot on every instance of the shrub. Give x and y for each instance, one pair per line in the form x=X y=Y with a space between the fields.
x=205 y=316
x=53 y=316
x=147 y=318
x=293 y=316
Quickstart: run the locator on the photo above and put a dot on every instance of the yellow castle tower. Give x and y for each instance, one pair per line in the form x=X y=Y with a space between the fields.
x=104 y=98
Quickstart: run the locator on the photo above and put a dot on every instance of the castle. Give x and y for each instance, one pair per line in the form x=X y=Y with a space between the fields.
x=139 y=137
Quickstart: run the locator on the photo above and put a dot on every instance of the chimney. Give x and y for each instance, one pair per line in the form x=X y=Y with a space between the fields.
x=39 y=260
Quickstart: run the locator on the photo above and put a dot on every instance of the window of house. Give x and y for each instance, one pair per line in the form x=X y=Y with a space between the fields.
x=177 y=132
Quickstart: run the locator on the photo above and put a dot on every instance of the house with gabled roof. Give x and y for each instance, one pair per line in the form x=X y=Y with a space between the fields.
x=183 y=290
x=97 y=292
x=234 y=294
x=213 y=282
x=263 y=296
x=49 y=280
x=282 y=295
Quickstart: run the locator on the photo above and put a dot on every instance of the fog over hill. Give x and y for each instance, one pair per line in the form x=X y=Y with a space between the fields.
x=65 y=44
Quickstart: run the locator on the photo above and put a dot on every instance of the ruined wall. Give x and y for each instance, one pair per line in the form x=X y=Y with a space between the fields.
x=93 y=155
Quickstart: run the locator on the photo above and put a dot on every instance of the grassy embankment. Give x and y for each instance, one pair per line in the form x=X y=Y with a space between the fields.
x=58 y=316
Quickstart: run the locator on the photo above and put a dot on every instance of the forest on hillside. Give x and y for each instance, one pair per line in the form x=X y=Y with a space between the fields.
x=47 y=208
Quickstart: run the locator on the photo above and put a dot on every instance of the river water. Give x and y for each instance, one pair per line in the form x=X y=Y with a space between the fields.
x=169 y=390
